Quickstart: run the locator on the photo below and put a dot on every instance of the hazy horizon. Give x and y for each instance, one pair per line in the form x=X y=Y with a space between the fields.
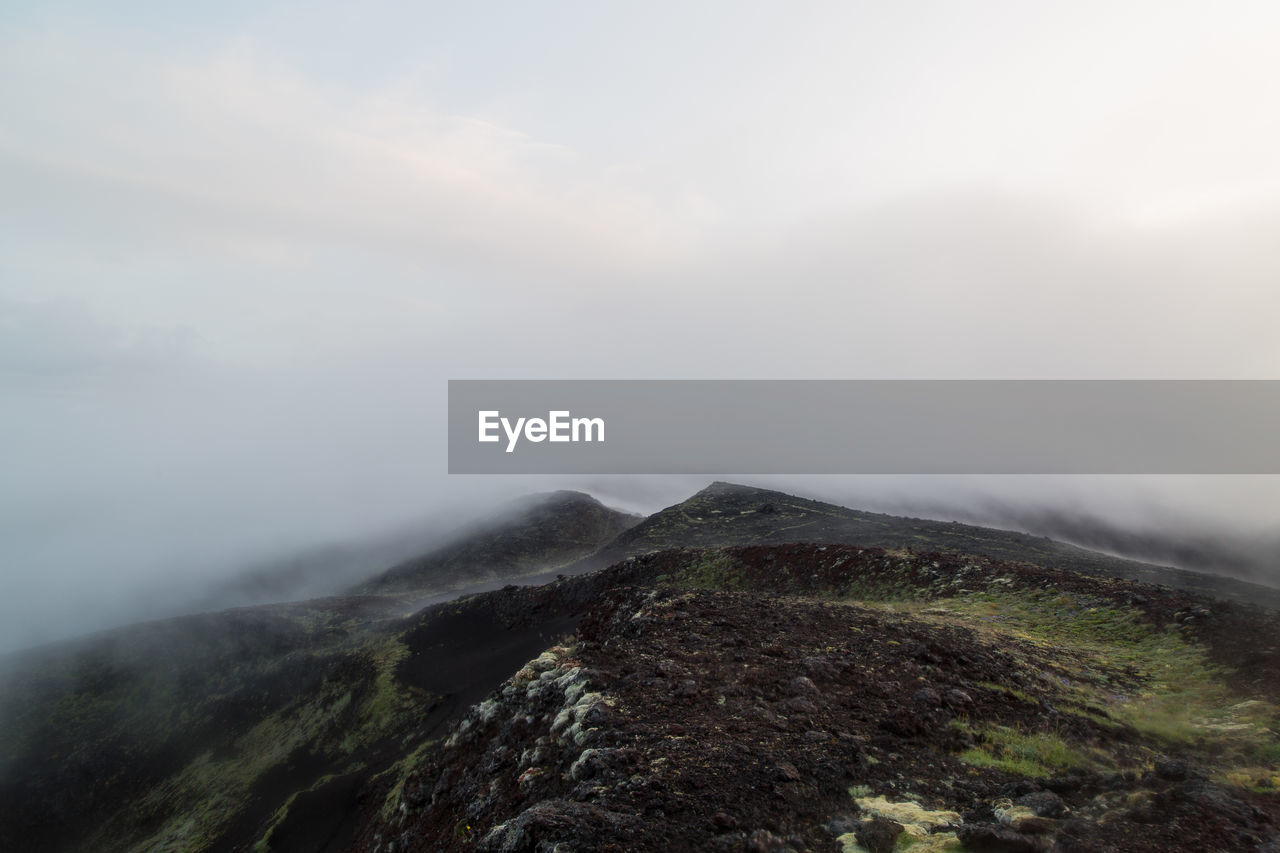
x=246 y=245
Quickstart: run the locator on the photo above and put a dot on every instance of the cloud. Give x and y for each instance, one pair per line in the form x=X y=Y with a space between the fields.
x=233 y=292
x=62 y=337
x=247 y=158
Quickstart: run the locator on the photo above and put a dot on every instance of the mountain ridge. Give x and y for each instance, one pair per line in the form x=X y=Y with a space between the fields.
x=535 y=533
x=756 y=514
x=309 y=726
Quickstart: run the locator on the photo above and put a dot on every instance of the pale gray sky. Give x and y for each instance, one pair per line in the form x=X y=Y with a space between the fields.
x=242 y=246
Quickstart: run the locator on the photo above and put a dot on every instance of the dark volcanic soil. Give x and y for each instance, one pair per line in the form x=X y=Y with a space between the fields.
x=700 y=719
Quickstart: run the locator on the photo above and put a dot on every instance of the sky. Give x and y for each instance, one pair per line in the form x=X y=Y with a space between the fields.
x=243 y=246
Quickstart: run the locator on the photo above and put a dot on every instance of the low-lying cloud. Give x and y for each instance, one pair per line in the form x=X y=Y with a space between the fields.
x=231 y=294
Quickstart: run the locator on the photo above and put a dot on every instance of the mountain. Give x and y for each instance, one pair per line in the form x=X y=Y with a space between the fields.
x=744 y=675
x=730 y=514
x=536 y=534
x=834 y=698
x=194 y=718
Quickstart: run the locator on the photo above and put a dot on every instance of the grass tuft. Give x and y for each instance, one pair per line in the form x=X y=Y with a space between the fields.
x=1036 y=754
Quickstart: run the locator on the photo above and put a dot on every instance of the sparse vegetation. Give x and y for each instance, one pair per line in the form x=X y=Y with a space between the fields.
x=1035 y=754
x=709 y=570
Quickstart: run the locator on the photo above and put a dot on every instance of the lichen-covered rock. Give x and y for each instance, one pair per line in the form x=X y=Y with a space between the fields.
x=556 y=825
x=878 y=834
x=1044 y=804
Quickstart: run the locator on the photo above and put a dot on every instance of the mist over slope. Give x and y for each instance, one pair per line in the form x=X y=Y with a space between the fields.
x=792 y=692
x=432 y=553
x=537 y=533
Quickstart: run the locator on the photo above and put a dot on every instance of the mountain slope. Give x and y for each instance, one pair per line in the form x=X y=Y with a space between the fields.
x=329 y=569
x=347 y=723
x=729 y=514
x=211 y=732
x=536 y=534
x=831 y=698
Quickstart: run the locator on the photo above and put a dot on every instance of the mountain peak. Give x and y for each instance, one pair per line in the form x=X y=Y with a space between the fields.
x=559 y=496
x=723 y=487
x=531 y=534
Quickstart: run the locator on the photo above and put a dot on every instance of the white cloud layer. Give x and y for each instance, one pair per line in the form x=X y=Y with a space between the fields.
x=237 y=268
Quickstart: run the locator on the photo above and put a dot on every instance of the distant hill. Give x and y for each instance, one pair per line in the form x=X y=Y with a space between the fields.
x=726 y=514
x=539 y=533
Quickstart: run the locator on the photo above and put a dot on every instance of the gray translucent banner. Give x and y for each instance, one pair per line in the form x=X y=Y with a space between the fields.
x=863 y=427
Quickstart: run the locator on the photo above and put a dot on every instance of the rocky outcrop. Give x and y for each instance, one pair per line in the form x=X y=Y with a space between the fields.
x=693 y=719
